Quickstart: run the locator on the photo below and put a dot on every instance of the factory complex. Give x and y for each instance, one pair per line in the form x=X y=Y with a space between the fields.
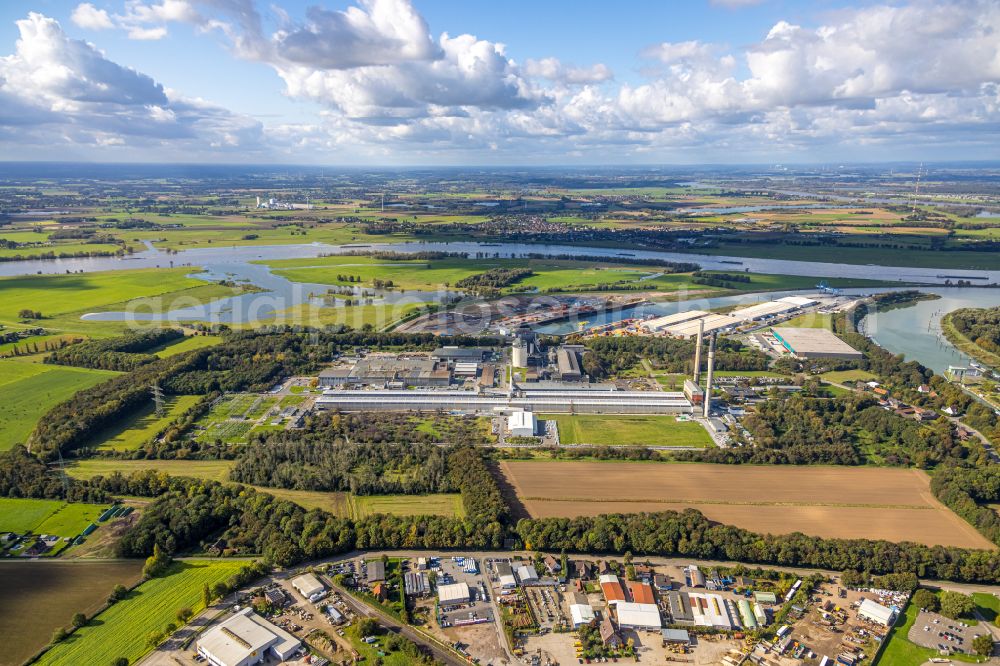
x=476 y=380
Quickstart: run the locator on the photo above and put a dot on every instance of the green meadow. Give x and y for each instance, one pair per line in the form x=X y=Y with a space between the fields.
x=29 y=390
x=608 y=430
x=121 y=630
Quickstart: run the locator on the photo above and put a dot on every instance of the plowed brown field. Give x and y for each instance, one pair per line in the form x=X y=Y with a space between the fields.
x=841 y=502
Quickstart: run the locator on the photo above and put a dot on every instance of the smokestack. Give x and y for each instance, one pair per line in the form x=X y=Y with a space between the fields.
x=711 y=369
x=697 y=350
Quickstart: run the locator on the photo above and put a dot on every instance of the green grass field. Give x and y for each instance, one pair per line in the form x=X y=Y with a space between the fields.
x=143 y=426
x=841 y=376
x=605 y=430
x=407 y=505
x=71 y=519
x=189 y=343
x=213 y=470
x=63 y=519
x=29 y=390
x=121 y=630
x=811 y=320
x=59 y=294
x=24 y=515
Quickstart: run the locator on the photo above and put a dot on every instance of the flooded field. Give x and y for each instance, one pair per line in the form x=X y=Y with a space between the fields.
x=39 y=597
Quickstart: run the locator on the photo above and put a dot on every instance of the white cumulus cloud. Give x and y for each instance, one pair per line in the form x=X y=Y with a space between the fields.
x=89 y=17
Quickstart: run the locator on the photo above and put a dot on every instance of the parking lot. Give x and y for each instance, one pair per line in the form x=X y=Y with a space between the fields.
x=935 y=631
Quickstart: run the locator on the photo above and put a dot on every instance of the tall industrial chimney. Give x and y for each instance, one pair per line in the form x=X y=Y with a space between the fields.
x=697 y=350
x=711 y=369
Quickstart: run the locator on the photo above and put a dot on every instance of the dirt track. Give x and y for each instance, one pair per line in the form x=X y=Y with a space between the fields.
x=841 y=502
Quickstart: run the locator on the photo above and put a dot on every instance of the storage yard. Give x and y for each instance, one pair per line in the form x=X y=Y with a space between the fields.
x=873 y=503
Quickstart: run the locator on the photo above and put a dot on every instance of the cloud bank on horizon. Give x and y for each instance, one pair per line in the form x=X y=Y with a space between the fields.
x=867 y=83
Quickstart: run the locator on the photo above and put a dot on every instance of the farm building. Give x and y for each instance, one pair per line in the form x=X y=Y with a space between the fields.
x=680 y=608
x=645 y=617
x=309 y=587
x=765 y=597
x=416 y=583
x=609 y=635
x=527 y=574
x=876 y=612
x=581 y=614
x=522 y=424
x=675 y=637
x=695 y=578
x=454 y=594
x=612 y=589
x=710 y=610
x=641 y=593
x=376 y=571
x=814 y=343
x=246 y=639
x=505 y=574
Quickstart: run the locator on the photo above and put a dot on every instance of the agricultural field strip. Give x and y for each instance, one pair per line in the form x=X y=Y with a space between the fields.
x=798 y=499
x=688 y=501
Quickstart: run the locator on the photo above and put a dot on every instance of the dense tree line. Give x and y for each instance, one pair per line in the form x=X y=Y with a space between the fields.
x=847 y=430
x=483 y=526
x=966 y=491
x=122 y=353
x=663 y=265
x=613 y=355
x=314 y=463
x=494 y=279
x=980 y=325
x=191 y=513
x=690 y=534
x=24 y=475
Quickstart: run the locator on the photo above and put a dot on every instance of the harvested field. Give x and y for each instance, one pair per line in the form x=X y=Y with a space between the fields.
x=40 y=597
x=832 y=502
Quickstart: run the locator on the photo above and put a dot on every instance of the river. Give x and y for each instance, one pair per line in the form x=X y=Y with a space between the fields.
x=913 y=331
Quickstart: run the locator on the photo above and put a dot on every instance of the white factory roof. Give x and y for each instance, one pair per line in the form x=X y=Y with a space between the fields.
x=875 y=612
x=527 y=573
x=243 y=636
x=713 y=322
x=508 y=580
x=710 y=610
x=798 y=301
x=581 y=614
x=769 y=308
x=669 y=320
x=308 y=585
x=521 y=419
x=640 y=616
x=454 y=593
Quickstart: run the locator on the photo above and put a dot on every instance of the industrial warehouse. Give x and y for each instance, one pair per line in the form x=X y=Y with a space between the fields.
x=567 y=401
x=814 y=343
x=688 y=324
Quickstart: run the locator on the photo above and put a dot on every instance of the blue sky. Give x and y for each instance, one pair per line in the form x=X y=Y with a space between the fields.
x=438 y=82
